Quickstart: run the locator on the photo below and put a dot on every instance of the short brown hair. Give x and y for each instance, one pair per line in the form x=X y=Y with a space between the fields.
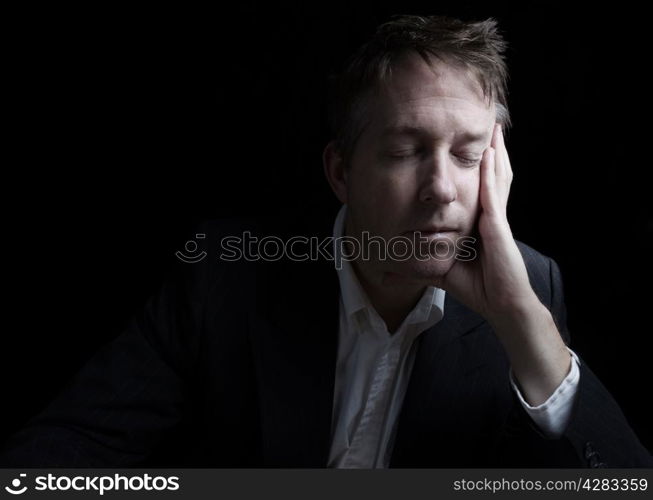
x=476 y=46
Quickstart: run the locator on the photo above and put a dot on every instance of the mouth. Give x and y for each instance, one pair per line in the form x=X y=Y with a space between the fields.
x=432 y=232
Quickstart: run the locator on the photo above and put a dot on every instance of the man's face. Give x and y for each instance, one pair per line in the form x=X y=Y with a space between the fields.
x=416 y=165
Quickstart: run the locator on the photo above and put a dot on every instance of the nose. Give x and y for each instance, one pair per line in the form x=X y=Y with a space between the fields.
x=438 y=186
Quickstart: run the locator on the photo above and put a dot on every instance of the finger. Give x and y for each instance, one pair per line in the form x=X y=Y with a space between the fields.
x=503 y=152
x=502 y=168
x=499 y=146
x=488 y=192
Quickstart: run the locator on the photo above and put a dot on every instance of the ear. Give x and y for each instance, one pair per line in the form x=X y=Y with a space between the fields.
x=334 y=169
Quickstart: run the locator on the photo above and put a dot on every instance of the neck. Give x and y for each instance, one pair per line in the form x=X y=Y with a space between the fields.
x=391 y=296
x=393 y=301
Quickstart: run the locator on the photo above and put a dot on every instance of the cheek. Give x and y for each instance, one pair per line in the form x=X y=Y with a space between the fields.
x=469 y=183
x=376 y=200
x=468 y=192
x=381 y=187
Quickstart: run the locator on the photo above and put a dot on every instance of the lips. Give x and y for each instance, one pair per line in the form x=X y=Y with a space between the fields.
x=432 y=230
x=435 y=229
x=430 y=233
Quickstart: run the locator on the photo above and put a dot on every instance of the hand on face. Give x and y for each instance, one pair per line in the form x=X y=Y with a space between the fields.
x=496 y=281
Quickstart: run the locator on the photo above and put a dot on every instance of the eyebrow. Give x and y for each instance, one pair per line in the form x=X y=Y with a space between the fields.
x=410 y=130
x=473 y=137
x=402 y=130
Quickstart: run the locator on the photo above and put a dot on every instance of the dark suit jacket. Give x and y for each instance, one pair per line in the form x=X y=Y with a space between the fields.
x=233 y=364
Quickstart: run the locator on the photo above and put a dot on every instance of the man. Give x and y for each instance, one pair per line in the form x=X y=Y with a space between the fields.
x=432 y=359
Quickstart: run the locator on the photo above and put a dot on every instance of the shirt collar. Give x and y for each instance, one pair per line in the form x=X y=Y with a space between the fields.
x=429 y=309
x=354 y=297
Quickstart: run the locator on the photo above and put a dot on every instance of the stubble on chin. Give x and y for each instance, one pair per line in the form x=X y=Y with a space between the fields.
x=417 y=273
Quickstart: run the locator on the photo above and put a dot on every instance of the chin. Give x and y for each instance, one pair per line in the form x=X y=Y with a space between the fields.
x=428 y=272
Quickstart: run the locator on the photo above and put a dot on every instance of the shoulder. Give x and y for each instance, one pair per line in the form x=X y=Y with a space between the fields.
x=532 y=257
x=543 y=272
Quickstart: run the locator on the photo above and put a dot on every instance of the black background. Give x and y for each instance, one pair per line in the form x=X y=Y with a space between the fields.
x=133 y=125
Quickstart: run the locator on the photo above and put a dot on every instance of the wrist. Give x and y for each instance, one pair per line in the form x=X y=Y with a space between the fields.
x=537 y=353
x=519 y=313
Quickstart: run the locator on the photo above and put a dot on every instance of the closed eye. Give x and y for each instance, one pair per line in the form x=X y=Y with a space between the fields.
x=406 y=153
x=402 y=154
x=468 y=161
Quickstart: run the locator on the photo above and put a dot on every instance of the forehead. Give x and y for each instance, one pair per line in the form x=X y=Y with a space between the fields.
x=438 y=98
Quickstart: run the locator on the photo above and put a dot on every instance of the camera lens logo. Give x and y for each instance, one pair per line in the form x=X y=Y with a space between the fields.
x=16 y=484
x=192 y=256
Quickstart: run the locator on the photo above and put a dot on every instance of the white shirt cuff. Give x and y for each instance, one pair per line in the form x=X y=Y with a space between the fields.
x=552 y=416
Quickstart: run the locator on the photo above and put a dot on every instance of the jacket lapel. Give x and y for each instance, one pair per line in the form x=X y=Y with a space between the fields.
x=445 y=354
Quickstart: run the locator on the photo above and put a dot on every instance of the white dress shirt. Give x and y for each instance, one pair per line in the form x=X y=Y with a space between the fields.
x=373 y=369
